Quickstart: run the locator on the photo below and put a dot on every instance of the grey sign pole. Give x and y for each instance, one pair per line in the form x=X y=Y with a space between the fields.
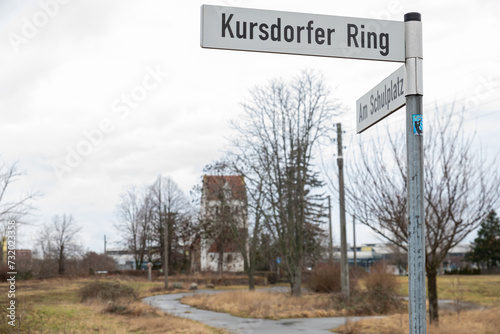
x=415 y=152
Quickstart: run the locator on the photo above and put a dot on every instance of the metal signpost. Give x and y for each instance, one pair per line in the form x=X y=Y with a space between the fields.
x=415 y=158
x=257 y=30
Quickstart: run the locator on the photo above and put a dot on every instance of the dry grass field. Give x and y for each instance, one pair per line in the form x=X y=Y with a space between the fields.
x=54 y=306
x=468 y=322
x=377 y=296
x=480 y=290
x=265 y=304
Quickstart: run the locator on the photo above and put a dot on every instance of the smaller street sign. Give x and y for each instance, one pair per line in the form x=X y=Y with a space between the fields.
x=381 y=101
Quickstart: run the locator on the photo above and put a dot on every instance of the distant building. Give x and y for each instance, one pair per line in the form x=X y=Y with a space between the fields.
x=369 y=254
x=397 y=259
x=455 y=259
x=124 y=259
x=23 y=257
x=223 y=198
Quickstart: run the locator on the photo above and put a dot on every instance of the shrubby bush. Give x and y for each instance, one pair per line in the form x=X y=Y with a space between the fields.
x=379 y=296
x=382 y=289
x=325 y=278
x=463 y=271
x=107 y=292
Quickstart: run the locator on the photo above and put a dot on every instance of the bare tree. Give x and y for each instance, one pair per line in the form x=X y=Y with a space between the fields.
x=282 y=127
x=134 y=213
x=171 y=210
x=186 y=231
x=460 y=189
x=256 y=212
x=58 y=240
x=257 y=220
x=12 y=209
x=144 y=216
x=92 y=262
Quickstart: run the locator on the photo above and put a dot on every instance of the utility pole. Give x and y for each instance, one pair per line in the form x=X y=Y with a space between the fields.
x=354 y=238
x=415 y=157
x=105 y=244
x=330 y=242
x=344 y=265
x=165 y=242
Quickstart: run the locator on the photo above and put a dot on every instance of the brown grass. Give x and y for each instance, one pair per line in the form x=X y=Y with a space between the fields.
x=54 y=306
x=273 y=305
x=469 y=322
x=142 y=318
x=378 y=297
x=264 y=304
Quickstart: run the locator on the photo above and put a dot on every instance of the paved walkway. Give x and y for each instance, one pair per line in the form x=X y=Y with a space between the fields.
x=172 y=305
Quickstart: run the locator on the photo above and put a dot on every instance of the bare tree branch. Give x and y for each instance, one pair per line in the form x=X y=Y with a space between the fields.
x=460 y=188
x=282 y=126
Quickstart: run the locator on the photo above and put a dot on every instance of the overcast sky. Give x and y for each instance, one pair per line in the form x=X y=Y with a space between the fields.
x=68 y=67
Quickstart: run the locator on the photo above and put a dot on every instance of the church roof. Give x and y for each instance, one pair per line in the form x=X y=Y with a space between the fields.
x=213 y=185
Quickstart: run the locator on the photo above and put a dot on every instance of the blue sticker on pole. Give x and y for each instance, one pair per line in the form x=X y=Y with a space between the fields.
x=417 y=124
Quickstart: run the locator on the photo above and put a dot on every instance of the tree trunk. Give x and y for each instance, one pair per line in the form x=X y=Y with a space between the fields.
x=251 y=272
x=162 y=249
x=166 y=255
x=251 y=278
x=295 y=274
x=295 y=283
x=248 y=270
x=2 y=242
x=61 y=260
x=170 y=242
x=432 y=295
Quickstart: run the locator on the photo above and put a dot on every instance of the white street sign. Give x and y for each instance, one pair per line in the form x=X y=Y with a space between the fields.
x=247 y=29
x=381 y=101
